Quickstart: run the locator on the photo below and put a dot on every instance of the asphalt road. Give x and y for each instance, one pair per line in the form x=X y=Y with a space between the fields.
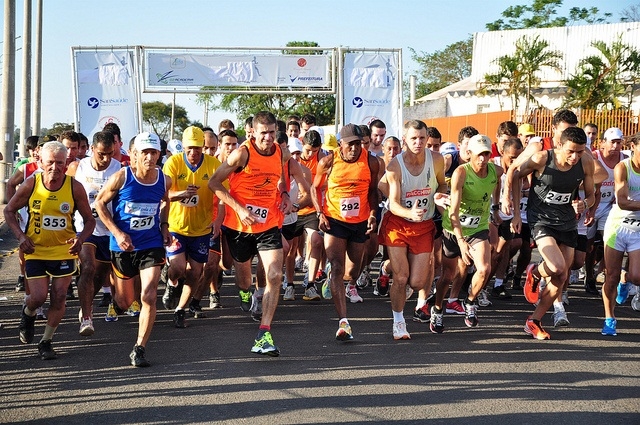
x=205 y=373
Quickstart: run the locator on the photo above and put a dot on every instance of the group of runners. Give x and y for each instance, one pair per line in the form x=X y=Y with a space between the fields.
x=449 y=217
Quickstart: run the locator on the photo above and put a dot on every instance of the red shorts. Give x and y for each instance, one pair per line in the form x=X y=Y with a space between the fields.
x=417 y=236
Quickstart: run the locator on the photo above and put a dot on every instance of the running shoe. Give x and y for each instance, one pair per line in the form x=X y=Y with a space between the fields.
x=46 y=351
x=40 y=314
x=531 y=285
x=560 y=319
x=179 y=319
x=381 y=287
x=400 y=331
x=635 y=301
x=196 y=311
x=573 y=277
x=500 y=292
x=112 y=314
x=264 y=345
x=86 y=327
x=289 y=293
x=27 y=327
x=326 y=290
x=171 y=297
x=565 y=297
x=20 y=284
x=364 y=279
x=609 y=328
x=344 y=332
x=435 y=324
x=454 y=307
x=470 y=314
x=321 y=276
x=137 y=357
x=408 y=292
x=256 y=308
x=134 y=309
x=483 y=299
x=245 y=300
x=534 y=328
x=623 y=293
x=352 y=294
x=214 y=300
x=422 y=315
x=106 y=300
x=310 y=294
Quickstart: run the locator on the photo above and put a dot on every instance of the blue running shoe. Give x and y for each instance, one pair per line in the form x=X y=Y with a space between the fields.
x=609 y=327
x=623 y=293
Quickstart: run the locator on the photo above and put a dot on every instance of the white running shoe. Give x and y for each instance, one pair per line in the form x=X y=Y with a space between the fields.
x=86 y=327
x=483 y=299
x=635 y=301
x=352 y=294
x=400 y=331
x=289 y=293
x=408 y=292
x=560 y=318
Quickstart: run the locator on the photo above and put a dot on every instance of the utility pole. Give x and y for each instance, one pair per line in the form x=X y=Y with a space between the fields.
x=37 y=78
x=7 y=106
x=25 y=121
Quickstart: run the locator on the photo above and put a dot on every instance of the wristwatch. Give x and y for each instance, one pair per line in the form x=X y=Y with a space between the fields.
x=296 y=206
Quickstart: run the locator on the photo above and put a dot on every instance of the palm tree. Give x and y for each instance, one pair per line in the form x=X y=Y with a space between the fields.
x=533 y=55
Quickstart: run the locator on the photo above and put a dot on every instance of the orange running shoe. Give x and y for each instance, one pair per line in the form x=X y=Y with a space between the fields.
x=531 y=285
x=535 y=329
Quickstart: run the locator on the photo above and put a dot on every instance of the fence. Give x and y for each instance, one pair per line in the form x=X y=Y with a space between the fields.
x=487 y=123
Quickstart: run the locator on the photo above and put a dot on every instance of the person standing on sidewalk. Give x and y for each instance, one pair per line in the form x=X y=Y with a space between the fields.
x=49 y=242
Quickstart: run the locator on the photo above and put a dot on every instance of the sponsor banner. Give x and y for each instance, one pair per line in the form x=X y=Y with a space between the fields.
x=106 y=91
x=371 y=90
x=166 y=70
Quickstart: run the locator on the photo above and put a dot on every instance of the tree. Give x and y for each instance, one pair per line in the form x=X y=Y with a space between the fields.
x=443 y=67
x=543 y=14
x=602 y=80
x=157 y=115
x=58 y=128
x=630 y=14
x=323 y=107
x=519 y=73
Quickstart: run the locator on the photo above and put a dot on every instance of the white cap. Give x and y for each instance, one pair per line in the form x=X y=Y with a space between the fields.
x=147 y=140
x=320 y=131
x=479 y=144
x=294 y=145
x=448 y=148
x=174 y=146
x=613 y=133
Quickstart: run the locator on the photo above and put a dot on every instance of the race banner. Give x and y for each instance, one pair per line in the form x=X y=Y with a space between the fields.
x=188 y=71
x=371 y=90
x=106 y=91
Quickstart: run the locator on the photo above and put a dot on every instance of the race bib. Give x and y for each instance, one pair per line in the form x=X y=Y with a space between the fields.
x=260 y=213
x=55 y=223
x=421 y=203
x=350 y=207
x=141 y=223
x=470 y=221
x=191 y=201
x=556 y=198
x=630 y=223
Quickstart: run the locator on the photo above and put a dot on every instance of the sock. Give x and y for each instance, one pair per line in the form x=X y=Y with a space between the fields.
x=398 y=316
x=468 y=301
x=383 y=269
x=421 y=303
x=285 y=283
x=106 y=289
x=343 y=320
x=178 y=309
x=558 y=306
x=48 y=332
x=498 y=283
x=266 y=328
x=28 y=312
x=437 y=309
x=452 y=300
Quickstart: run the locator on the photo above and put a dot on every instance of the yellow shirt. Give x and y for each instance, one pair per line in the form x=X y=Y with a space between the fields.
x=192 y=216
x=50 y=221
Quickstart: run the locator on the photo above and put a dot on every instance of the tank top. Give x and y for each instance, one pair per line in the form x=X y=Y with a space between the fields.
x=420 y=188
x=498 y=161
x=312 y=165
x=191 y=216
x=136 y=211
x=347 y=194
x=256 y=187
x=293 y=194
x=475 y=202
x=551 y=194
x=607 y=189
x=92 y=181
x=625 y=218
x=29 y=169
x=50 y=220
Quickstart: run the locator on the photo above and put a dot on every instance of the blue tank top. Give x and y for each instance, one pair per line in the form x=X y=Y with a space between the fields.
x=136 y=211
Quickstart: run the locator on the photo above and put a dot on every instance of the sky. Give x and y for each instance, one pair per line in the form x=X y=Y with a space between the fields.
x=423 y=25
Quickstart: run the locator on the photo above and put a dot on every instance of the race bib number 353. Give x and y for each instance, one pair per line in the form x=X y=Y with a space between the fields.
x=52 y=222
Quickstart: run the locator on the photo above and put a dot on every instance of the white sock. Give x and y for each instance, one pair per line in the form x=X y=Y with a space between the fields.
x=451 y=300
x=558 y=306
x=398 y=316
x=421 y=303
x=498 y=283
